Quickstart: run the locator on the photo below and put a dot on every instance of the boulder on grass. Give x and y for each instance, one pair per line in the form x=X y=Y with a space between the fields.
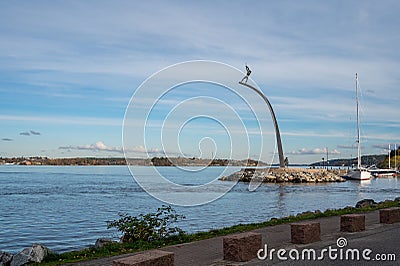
x=36 y=253
x=101 y=242
x=366 y=203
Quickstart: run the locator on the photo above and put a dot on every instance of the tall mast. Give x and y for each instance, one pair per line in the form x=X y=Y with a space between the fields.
x=358 y=129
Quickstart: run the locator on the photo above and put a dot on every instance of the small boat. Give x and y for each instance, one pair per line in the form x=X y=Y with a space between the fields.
x=379 y=172
x=385 y=172
x=359 y=173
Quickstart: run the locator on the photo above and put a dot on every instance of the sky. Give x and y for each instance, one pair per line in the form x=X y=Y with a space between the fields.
x=68 y=70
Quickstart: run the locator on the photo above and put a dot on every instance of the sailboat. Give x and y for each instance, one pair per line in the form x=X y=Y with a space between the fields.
x=389 y=172
x=359 y=173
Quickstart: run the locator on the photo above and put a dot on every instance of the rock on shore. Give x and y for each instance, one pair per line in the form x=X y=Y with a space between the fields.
x=33 y=254
x=281 y=175
x=5 y=258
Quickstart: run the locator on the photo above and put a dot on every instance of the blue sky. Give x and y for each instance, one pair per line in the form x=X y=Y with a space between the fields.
x=69 y=68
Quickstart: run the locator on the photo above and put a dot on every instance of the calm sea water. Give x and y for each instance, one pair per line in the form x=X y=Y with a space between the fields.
x=66 y=207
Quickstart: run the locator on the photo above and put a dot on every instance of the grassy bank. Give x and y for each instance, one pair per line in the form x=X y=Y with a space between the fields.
x=114 y=249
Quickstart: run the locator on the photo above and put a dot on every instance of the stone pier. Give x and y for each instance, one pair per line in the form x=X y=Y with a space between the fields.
x=282 y=175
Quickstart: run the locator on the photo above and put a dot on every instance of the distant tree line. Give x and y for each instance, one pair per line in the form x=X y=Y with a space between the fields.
x=155 y=161
x=37 y=160
x=365 y=160
x=161 y=161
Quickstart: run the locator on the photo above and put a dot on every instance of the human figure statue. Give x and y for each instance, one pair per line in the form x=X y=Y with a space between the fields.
x=248 y=72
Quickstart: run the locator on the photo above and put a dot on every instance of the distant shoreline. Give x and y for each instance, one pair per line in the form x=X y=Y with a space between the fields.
x=181 y=161
x=155 y=161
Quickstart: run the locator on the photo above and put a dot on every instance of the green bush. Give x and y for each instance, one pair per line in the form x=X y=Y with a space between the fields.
x=148 y=227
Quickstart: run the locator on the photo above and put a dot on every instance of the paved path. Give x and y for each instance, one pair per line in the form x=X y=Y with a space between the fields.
x=380 y=238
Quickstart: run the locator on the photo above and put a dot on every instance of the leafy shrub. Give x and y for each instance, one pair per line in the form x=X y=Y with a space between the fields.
x=148 y=227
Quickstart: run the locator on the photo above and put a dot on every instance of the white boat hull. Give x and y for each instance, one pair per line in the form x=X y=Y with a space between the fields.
x=383 y=172
x=358 y=174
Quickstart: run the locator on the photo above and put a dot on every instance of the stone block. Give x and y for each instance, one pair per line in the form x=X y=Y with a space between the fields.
x=389 y=215
x=352 y=222
x=242 y=247
x=148 y=258
x=304 y=233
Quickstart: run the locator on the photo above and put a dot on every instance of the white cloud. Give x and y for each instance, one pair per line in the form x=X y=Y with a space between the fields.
x=98 y=146
x=306 y=151
x=347 y=147
x=301 y=133
x=385 y=146
x=102 y=147
x=68 y=120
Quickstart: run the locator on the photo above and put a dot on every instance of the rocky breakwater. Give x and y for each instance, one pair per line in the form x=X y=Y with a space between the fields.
x=282 y=175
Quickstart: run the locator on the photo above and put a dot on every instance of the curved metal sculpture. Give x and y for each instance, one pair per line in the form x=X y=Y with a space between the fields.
x=278 y=135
